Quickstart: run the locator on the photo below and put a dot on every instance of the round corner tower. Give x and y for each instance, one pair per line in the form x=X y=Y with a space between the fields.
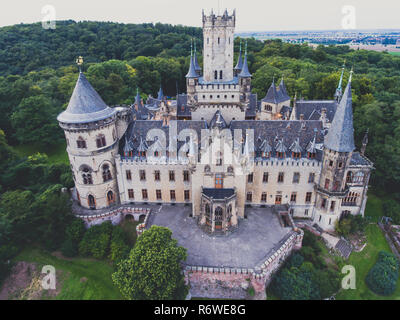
x=218 y=36
x=90 y=128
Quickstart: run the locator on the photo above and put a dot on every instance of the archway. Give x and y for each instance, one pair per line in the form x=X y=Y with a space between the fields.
x=91 y=202
x=218 y=217
x=110 y=198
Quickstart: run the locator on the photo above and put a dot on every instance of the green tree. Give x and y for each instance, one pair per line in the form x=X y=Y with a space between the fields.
x=153 y=268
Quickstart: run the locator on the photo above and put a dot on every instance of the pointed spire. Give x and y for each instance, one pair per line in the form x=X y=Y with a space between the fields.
x=272 y=95
x=196 y=63
x=338 y=93
x=142 y=146
x=265 y=147
x=192 y=69
x=138 y=99
x=283 y=96
x=280 y=146
x=312 y=147
x=245 y=69
x=239 y=64
x=160 y=95
x=340 y=136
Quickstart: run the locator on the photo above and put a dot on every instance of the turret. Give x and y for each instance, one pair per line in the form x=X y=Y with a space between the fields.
x=191 y=80
x=338 y=93
x=245 y=80
x=92 y=142
x=239 y=64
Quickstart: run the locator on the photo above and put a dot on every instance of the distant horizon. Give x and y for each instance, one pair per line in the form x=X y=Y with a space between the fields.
x=252 y=15
x=236 y=31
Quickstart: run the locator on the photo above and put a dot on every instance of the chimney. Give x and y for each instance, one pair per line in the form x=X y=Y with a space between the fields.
x=323 y=115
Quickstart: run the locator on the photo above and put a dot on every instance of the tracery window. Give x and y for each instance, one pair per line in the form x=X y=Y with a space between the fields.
x=106 y=173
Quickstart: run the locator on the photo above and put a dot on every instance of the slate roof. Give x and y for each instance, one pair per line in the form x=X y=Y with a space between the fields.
x=192 y=69
x=239 y=63
x=85 y=104
x=340 y=136
x=311 y=109
x=182 y=109
x=283 y=96
x=270 y=131
x=359 y=160
x=218 y=194
x=272 y=94
x=252 y=107
x=218 y=121
x=245 y=73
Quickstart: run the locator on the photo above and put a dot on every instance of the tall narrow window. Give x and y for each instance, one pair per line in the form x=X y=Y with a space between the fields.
x=142 y=175
x=216 y=75
x=172 y=175
x=219 y=181
x=250 y=178
x=131 y=194
x=91 y=202
x=220 y=74
x=264 y=197
x=296 y=177
x=249 y=197
x=110 y=197
x=186 y=175
x=311 y=177
x=144 y=194
x=157 y=175
x=265 y=177
x=308 y=197
x=158 y=194
x=293 y=197
x=172 y=195
x=186 y=195
x=81 y=143
x=100 y=141
x=281 y=176
x=106 y=173
x=128 y=175
x=327 y=182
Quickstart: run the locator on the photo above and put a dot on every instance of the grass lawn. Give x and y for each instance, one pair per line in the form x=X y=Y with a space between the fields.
x=55 y=154
x=363 y=262
x=98 y=274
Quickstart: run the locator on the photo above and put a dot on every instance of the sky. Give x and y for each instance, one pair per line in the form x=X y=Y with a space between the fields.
x=252 y=15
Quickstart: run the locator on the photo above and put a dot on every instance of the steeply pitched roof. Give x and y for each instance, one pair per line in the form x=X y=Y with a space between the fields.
x=192 y=69
x=283 y=96
x=239 y=64
x=312 y=109
x=245 y=73
x=160 y=95
x=340 y=136
x=85 y=104
x=272 y=94
x=218 y=121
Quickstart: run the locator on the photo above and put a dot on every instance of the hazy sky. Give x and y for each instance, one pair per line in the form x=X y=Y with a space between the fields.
x=251 y=14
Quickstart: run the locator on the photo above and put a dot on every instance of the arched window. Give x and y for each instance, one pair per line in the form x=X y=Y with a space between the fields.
x=359 y=177
x=215 y=74
x=230 y=169
x=208 y=210
x=219 y=158
x=207 y=168
x=91 y=202
x=87 y=175
x=106 y=173
x=229 y=210
x=110 y=197
x=218 y=214
x=81 y=143
x=100 y=141
x=349 y=177
x=220 y=74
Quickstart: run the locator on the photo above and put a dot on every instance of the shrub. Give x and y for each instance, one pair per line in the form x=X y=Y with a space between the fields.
x=391 y=208
x=75 y=230
x=382 y=278
x=118 y=247
x=69 y=248
x=96 y=241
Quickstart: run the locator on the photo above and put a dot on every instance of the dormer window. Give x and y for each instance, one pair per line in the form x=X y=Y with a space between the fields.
x=311 y=155
x=281 y=155
x=296 y=155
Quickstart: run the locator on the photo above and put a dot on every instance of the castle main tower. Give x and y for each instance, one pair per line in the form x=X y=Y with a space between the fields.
x=218 y=36
x=90 y=128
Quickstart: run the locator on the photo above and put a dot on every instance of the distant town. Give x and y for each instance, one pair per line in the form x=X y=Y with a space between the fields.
x=377 y=40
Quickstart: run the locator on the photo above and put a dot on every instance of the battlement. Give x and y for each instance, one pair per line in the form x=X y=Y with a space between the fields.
x=224 y=20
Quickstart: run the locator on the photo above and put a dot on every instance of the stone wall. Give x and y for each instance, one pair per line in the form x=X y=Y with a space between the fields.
x=234 y=283
x=115 y=216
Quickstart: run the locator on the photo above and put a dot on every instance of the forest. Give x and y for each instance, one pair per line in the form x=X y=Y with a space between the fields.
x=38 y=74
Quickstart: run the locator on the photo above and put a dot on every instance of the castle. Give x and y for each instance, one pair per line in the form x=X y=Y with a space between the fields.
x=217 y=147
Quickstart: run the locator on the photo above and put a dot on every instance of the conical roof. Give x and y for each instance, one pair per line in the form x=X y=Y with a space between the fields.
x=282 y=92
x=160 y=95
x=295 y=147
x=85 y=104
x=245 y=73
x=196 y=63
x=340 y=136
x=272 y=94
x=239 y=64
x=192 y=69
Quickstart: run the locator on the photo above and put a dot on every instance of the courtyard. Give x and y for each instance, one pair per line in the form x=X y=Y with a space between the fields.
x=246 y=247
